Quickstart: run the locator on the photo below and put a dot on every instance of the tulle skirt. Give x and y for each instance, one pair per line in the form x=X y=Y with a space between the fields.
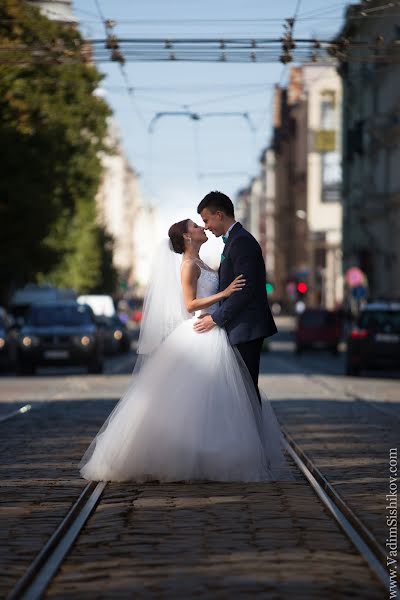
x=190 y=413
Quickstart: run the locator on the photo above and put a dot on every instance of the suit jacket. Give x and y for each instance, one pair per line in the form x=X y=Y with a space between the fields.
x=245 y=315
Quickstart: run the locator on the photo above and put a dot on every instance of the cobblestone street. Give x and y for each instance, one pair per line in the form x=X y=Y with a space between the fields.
x=213 y=541
x=209 y=540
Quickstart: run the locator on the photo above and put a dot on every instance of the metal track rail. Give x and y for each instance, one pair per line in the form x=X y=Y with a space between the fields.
x=363 y=540
x=42 y=570
x=19 y=411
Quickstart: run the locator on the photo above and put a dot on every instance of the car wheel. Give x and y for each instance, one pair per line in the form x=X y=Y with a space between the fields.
x=352 y=370
x=299 y=348
x=26 y=369
x=335 y=350
x=125 y=347
x=95 y=367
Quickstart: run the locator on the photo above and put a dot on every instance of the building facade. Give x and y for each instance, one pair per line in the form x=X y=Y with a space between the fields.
x=56 y=10
x=308 y=208
x=118 y=203
x=371 y=146
x=254 y=209
x=147 y=234
x=268 y=217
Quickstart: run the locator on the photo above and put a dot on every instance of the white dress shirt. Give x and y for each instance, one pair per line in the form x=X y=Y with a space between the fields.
x=229 y=230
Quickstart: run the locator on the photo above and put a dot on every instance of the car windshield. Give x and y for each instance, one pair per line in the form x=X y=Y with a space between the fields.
x=45 y=316
x=386 y=321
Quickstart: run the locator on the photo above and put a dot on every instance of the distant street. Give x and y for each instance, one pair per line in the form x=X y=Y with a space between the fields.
x=283 y=374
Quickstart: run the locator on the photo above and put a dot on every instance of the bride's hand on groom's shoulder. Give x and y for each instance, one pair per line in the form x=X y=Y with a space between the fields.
x=205 y=323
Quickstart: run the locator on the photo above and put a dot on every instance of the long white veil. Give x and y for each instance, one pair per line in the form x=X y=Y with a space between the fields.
x=163 y=308
x=163 y=311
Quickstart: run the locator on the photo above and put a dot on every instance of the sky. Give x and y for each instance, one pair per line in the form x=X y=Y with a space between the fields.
x=182 y=160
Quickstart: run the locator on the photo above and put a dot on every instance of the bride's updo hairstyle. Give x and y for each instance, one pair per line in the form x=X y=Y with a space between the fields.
x=175 y=233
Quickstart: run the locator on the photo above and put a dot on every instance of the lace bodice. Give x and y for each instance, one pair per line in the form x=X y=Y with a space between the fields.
x=207 y=285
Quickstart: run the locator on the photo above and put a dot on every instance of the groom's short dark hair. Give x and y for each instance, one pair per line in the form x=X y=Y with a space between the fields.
x=217 y=201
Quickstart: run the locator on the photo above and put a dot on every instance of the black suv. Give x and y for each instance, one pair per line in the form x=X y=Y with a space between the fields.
x=375 y=340
x=8 y=341
x=60 y=333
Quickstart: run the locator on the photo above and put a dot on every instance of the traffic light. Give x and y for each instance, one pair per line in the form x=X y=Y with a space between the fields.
x=269 y=287
x=302 y=288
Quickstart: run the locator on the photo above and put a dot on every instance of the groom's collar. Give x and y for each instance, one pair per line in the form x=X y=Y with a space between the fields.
x=226 y=235
x=235 y=228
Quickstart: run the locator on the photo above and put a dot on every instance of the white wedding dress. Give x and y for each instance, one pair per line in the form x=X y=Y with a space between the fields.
x=190 y=414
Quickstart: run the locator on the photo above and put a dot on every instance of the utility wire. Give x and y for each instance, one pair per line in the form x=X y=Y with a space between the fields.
x=108 y=27
x=291 y=24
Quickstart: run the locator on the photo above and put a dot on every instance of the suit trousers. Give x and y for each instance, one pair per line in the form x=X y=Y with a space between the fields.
x=251 y=353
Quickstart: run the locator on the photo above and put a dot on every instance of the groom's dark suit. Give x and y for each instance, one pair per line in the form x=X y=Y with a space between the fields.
x=245 y=315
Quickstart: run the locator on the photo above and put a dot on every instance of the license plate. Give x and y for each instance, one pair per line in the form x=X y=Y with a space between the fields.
x=56 y=354
x=387 y=337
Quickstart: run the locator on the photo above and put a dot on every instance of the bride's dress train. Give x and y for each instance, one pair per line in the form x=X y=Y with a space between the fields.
x=191 y=413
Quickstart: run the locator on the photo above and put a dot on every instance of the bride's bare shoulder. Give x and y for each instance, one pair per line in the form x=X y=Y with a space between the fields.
x=190 y=266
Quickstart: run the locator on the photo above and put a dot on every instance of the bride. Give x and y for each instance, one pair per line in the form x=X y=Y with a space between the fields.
x=191 y=411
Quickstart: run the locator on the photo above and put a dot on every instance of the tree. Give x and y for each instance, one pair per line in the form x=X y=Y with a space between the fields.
x=86 y=263
x=52 y=127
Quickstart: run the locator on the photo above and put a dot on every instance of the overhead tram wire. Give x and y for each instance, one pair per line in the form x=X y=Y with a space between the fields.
x=27 y=60
x=161 y=101
x=112 y=44
x=195 y=87
x=287 y=43
x=318 y=12
x=253 y=90
x=262 y=50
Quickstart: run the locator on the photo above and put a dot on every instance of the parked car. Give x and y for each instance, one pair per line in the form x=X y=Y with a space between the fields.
x=136 y=308
x=24 y=298
x=374 y=341
x=60 y=333
x=318 y=327
x=115 y=334
x=8 y=341
x=101 y=304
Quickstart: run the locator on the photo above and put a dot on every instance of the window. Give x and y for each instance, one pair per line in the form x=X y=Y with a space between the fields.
x=330 y=158
x=328 y=110
x=330 y=176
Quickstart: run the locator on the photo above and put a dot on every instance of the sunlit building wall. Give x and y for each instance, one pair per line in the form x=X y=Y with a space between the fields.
x=308 y=212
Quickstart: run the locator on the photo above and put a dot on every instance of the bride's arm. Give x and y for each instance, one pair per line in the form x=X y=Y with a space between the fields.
x=189 y=276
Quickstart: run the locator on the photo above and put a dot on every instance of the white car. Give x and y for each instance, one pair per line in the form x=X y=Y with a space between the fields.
x=101 y=304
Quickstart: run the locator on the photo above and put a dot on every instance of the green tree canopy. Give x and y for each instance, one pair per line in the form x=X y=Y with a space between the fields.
x=52 y=127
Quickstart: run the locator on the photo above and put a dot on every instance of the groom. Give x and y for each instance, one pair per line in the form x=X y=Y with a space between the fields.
x=245 y=315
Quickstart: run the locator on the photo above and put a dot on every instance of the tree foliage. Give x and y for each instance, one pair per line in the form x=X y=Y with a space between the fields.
x=52 y=127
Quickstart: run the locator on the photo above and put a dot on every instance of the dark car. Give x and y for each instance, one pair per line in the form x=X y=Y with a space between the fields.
x=8 y=341
x=115 y=334
x=136 y=308
x=320 y=328
x=60 y=333
x=374 y=342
